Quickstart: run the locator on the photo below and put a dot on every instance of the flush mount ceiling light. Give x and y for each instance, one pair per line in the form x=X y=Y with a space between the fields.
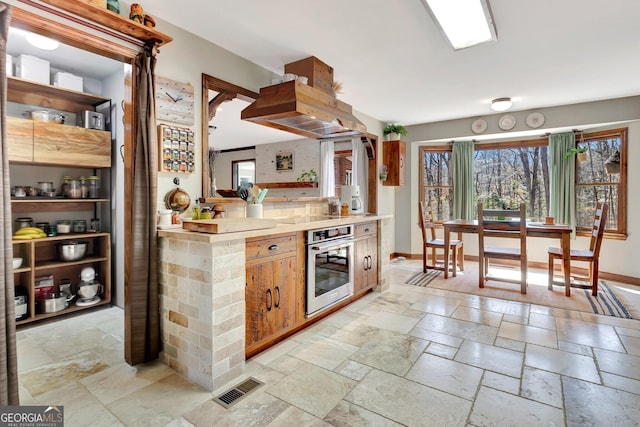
x=42 y=42
x=465 y=23
x=501 y=104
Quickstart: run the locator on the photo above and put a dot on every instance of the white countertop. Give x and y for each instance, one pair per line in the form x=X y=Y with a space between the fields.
x=293 y=224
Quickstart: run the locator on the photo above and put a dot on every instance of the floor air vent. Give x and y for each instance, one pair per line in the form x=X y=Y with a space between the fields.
x=231 y=397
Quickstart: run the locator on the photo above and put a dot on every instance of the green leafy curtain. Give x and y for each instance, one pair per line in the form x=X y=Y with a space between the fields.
x=562 y=183
x=462 y=157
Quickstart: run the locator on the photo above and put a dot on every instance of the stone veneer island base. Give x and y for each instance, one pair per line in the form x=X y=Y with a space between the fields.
x=202 y=297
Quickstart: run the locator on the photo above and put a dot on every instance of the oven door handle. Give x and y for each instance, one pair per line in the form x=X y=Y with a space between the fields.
x=332 y=245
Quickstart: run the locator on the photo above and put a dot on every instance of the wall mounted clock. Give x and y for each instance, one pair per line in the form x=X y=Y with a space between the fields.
x=535 y=120
x=174 y=101
x=478 y=126
x=507 y=122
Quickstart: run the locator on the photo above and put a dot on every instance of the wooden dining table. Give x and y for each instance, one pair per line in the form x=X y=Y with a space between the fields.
x=534 y=229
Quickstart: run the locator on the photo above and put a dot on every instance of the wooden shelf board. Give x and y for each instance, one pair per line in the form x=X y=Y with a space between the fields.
x=294 y=184
x=53 y=264
x=111 y=20
x=25 y=91
x=72 y=308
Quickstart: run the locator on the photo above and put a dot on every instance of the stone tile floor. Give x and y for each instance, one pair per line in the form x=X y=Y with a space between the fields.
x=411 y=356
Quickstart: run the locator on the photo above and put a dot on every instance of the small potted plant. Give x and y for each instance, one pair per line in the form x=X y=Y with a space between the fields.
x=308 y=176
x=393 y=131
x=579 y=152
x=383 y=173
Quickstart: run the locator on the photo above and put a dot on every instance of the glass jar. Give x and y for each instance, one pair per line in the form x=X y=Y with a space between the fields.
x=42 y=225
x=73 y=189
x=51 y=230
x=24 y=222
x=84 y=187
x=94 y=187
x=64 y=226
x=94 y=225
x=65 y=185
x=79 y=226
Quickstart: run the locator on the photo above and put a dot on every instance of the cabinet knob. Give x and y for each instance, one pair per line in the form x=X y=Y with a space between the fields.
x=274 y=247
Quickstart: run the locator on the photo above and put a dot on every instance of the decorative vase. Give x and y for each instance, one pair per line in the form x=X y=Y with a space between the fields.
x=113 y=6
x=582 y=157
x=383 y=176
x=393 y=136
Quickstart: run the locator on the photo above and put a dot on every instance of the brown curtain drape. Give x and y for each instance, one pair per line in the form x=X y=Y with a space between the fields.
x=8 y=360
x=141 y=292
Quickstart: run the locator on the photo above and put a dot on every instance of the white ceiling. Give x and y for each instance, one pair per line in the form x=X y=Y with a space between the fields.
x=396 y=66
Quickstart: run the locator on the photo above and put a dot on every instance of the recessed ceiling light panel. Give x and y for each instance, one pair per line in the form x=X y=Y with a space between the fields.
x=465 y=23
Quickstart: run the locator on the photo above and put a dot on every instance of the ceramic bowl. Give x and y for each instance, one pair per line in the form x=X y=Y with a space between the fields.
x=17 y=263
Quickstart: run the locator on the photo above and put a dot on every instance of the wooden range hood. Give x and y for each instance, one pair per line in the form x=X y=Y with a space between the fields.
x=310 y=110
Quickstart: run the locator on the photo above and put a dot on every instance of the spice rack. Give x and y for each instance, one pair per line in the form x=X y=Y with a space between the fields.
x=176 y=148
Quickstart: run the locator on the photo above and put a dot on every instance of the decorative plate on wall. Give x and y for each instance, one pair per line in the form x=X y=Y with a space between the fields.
x=478 y=126
x=507 y=122
x=535 y=120
x=174 y=101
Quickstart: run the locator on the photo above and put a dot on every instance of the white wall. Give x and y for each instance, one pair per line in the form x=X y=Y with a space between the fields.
x=113 y=87
x=306 y=156
x=617 y=256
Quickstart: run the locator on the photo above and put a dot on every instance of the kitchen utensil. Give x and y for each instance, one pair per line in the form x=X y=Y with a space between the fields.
x=72 y=250
x=177 y=199
x=51 y=303
x=262 y=194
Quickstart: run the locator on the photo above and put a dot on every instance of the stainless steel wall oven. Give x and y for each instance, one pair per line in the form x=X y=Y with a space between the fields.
x=329 y=267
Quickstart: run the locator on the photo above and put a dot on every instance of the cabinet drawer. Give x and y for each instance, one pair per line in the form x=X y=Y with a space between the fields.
x=366 y=229
x=63 y=145
x=273 y=246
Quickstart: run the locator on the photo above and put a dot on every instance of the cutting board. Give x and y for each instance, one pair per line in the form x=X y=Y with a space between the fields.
x=228 y=225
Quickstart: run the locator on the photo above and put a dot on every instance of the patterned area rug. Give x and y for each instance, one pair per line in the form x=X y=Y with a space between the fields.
x=423 y=279
x=607 y=303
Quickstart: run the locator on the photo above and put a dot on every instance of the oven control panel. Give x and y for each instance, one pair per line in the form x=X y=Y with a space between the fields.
x=331 y=233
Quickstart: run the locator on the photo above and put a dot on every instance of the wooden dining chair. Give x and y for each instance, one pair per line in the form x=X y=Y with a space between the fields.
x=510 y=224
x=590 y=255
x=430 y=244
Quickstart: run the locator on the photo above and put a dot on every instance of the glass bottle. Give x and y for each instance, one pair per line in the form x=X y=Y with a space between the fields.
x=94 y=187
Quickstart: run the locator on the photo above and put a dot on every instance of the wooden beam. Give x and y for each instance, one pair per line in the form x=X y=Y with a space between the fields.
x=217 y=101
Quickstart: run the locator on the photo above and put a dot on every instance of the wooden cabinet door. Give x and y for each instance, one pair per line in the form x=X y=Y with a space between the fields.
x=360 y=261
x=394 y=157
x=20 y=139
x=284 y=293
x=259 y=302
x=56 y=144
x=372 y=265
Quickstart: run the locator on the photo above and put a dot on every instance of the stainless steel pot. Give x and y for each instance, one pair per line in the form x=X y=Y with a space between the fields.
x=52 y=303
